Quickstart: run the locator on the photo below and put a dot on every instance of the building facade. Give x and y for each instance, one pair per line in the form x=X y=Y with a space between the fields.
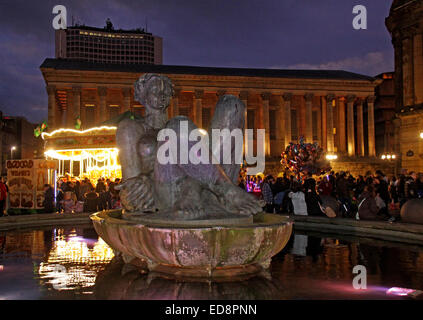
x=17 y=141
x=333 y=108
x=385 y=114
x=405 y=24
x=108 y=45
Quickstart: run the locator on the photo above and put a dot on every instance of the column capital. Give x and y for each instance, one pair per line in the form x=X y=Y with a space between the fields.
x=351 y=98
x=243 y=95
x=287 y=96
x=330 y=97
x=220 y=93
x=371 y=99
x=51 y=89
x=102 y=91
x=309 y=97
x=360 y=100
x=76 y=89
x=198 y=94
x=266 y=95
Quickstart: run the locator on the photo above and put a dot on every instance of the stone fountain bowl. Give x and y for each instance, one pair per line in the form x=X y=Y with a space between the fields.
x=205 y=251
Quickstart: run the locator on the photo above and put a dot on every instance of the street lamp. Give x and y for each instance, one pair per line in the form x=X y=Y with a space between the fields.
x=331 y=157
x=388 y=157
x=11 y=152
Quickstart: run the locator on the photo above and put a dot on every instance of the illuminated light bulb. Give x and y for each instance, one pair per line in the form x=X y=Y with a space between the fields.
x=388 y=156
x=393 y=156
x=383 y=157
x=203 y=132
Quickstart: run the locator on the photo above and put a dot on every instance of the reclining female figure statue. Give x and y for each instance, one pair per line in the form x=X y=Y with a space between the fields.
x=178 y=191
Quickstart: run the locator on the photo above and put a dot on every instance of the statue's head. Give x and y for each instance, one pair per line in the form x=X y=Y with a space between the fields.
x=153 y=91
x=229 y=113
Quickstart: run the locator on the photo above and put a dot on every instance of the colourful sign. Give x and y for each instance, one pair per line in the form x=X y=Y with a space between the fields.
x=26 y=179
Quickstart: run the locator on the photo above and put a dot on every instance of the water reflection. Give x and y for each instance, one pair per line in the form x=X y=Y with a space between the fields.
x=73 y=263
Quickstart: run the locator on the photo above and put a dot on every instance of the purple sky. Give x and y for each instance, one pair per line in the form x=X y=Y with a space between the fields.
x=303 y=34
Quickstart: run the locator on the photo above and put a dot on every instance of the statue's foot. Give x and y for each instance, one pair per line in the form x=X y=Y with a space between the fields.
x=237 y=200
x=188 y=209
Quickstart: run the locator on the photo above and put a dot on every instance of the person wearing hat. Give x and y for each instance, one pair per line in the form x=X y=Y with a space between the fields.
x=267 y=193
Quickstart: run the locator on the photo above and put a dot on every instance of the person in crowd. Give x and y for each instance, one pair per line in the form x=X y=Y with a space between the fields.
x=343 y=193
x=3 y=196
x=367 y=207
x=325 y=187
x=382 y=192
x=314 y=202
x=48 y=202
x=298 y=200
x=77 y=189
x=279 y=190
x=69 y=202
x=91 y=203
x=101 y=190
x=267 y=193
x=309 y=182
x=359 y=186
x=410 y=188
x=85 y=188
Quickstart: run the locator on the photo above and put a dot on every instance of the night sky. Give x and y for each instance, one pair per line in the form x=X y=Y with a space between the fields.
x=302 y=34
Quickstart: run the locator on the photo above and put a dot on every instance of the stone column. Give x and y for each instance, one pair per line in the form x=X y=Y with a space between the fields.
x=323 y=124
x=418 y=67
x=243 y=96
x=280 y=125
x=371 y=125
x=77 y=108
x=265 y=96
x=329 y=123
x=102 y=108
x=319 y=125
x=341 y=121
x=198 y=108
x=64 y=117
x=360 y=128
x=175 y=102
x=51 y=91
x=408 y=76
x=287 y=97
x=126 y=99
x=309 y=117
x=350 y=125
x=69 y=109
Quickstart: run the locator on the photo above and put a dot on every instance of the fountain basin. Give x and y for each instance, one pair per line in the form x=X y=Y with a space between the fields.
x=190 y=251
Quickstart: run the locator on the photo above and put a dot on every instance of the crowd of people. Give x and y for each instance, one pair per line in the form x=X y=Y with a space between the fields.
x=373 y=196
x=75 y=196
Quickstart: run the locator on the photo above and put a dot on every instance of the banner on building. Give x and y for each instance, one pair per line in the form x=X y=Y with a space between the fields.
x=26 y=180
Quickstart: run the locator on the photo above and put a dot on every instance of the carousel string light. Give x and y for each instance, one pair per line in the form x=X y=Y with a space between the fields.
x=50 y=134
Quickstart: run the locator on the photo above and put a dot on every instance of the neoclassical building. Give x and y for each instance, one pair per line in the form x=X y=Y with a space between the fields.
x=405 y=24
x=333 y=108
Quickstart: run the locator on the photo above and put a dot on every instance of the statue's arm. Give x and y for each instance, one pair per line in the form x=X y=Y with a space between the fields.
x=128 y=135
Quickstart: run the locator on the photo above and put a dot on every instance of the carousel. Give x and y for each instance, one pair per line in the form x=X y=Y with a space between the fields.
x=90 y=153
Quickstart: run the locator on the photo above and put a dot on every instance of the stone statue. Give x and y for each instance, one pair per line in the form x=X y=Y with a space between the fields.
x=178 y=191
